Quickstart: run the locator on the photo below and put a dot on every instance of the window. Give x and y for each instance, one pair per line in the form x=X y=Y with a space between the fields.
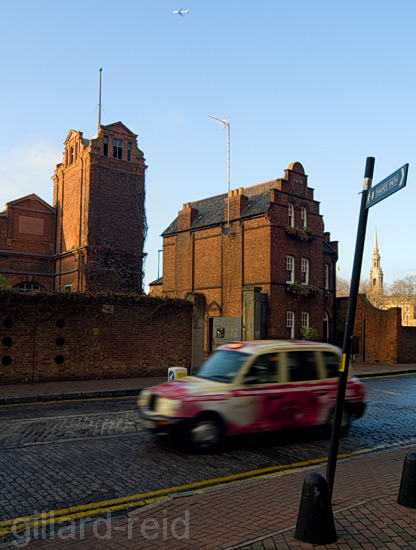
x=265 y=369
x=68 y=288
x=290 y=272
x=302 y=366
x=326 y=327
x=303 y=218
x=304 y=319
x=28 y=287
x=290 y=323
x=304 y=270
x=414 y=312
x=331 y=362
x=291 y=215
x=72 y=155
x=106 y=146
x=129 y=151
x=326 y=277
x=118 y=148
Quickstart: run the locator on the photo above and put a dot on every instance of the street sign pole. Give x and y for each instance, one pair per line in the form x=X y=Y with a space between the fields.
x=349 y=327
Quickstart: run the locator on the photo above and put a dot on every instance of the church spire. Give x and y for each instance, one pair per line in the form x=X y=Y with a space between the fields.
x=376 y=273
x=376 y=252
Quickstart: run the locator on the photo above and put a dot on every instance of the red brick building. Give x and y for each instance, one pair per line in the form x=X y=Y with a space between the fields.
x=92 y=238
x=260 y=257
x=27 y=243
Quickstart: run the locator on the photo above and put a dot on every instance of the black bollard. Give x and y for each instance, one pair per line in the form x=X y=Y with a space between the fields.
x=315 y=519
x=407 y=491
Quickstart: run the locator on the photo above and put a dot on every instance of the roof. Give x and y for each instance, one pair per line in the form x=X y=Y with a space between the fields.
x=212 y=211
x=328 y=249
x=32 y=196
x=118 y=126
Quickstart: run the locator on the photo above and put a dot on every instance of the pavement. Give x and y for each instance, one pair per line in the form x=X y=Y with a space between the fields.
x=259 y=514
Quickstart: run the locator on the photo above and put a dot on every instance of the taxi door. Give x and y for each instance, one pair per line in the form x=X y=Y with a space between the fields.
x=255 y=404
x=306 y=395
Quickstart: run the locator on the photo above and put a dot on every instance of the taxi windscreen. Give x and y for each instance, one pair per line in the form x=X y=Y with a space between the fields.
x=222 y=365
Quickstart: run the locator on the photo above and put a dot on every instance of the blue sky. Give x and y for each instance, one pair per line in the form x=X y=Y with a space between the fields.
x=323 y=83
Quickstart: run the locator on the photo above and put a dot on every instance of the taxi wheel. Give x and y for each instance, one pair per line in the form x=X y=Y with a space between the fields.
x=345 y=422
x=205 y=433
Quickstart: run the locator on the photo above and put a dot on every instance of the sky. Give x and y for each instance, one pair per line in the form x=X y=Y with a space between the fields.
x=324 y=83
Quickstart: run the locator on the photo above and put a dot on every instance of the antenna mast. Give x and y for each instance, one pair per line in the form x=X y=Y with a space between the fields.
x=226 y=124
x=99 y=102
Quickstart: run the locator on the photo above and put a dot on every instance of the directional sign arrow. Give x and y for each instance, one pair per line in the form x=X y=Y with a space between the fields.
x=391 y=184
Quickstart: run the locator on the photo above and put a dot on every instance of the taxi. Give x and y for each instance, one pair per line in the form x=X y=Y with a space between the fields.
x=247 y=387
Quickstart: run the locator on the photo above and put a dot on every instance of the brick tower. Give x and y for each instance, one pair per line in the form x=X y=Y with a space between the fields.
x=99 y=194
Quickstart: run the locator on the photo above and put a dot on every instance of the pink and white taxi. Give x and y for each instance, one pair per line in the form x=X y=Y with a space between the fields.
x=246 y=387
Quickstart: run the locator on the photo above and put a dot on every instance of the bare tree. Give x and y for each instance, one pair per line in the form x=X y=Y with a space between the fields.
x=343 y=287
x=403 y=291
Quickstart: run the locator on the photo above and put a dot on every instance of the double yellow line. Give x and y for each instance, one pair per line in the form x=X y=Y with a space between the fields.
x=40 y=520
x=37 y=521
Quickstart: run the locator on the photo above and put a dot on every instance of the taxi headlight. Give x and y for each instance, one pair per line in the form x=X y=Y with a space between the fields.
x=168 y=407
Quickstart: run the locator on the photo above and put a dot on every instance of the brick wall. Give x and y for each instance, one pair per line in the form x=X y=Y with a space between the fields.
x=408 y=351
x=378 y=334
x=73 y=336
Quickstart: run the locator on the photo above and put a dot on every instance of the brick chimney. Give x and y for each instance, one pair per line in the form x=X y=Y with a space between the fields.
x=186 y=217
x=238 y=202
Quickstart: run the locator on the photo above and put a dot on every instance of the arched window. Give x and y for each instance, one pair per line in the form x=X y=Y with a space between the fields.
x=291 y=215
x=28 y=287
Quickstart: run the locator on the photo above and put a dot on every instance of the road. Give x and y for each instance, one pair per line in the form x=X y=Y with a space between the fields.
x=93 y=456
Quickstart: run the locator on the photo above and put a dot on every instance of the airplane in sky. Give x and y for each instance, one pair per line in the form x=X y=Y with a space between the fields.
x=181 y=12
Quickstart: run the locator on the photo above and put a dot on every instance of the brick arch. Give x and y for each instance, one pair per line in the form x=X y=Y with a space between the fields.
x=214 y=305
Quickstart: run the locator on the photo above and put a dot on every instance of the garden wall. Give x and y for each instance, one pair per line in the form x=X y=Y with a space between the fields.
x=70 y=336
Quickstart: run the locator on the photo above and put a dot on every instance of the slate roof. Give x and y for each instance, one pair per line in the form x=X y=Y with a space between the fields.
x=328 y=249
x=212 y=210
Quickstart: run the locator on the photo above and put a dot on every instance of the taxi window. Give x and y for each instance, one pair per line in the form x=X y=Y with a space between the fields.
x=302 y=366
x=331 y=362
x=222 y=365
x=265 y=369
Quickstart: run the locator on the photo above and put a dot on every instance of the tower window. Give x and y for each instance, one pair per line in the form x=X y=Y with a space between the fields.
x=106 y=146
x=118 y=148
x=129 y=151
x=72 y=155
